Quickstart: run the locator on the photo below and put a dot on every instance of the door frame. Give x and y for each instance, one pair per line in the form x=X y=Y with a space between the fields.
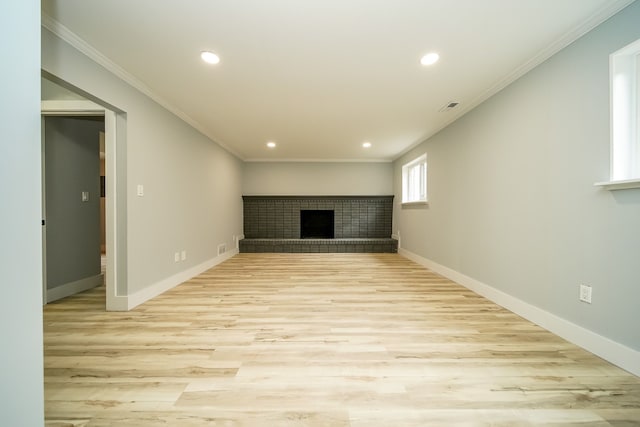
x=114 y=300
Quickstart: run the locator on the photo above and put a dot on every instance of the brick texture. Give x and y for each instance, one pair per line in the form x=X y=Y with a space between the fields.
x=278 y=217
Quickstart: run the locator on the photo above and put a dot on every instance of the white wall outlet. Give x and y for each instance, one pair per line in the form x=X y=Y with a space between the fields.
x=85 y=196
x=176 y=257
x=222 y=248
x=183 y=255
x=585 y=293
x=140 y=190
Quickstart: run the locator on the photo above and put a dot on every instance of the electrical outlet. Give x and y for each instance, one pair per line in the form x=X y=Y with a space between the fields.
x=176 y=256
x=585 y=293
x=222 y=249
x=183 y=255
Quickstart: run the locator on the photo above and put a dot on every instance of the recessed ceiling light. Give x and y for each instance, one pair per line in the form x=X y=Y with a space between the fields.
x=209 y=57
x=271 y=144
x=430 y=58
x=366 y=144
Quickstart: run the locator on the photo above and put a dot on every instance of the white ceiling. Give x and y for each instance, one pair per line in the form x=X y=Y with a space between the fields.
x=319 y=77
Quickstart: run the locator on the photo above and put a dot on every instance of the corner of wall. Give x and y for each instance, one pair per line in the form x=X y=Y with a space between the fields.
x=152 y=291
x=614 y=352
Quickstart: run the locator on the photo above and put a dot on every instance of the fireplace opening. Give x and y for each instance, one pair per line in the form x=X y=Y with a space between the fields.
x=316 y=224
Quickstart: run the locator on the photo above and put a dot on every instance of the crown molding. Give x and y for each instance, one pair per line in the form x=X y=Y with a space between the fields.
x=96 y=56
x=569 y=37
x=318 y=160
x=593 y=21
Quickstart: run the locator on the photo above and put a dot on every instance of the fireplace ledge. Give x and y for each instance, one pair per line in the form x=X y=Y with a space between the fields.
x=366 y=245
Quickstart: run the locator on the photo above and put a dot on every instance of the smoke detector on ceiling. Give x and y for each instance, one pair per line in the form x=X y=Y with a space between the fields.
x=448 y=106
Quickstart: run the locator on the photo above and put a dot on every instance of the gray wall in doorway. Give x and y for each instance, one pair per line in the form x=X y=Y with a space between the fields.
x=72 y=166
x=192 y=198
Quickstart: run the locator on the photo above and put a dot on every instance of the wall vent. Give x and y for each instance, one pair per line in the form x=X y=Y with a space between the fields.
x=449 y=106
x=222 y=249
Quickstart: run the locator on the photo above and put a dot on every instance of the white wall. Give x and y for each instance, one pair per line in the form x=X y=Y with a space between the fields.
x=192 y=187
x=317 y=179
x=21 y=382
x=511 y=197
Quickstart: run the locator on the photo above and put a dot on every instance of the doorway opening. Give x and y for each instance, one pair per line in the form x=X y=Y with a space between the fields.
x=63 y=101
x=71 y=204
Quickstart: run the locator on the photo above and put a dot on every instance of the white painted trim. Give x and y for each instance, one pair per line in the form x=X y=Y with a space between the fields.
x=71 y=288
x=416 y=203
x=606 y=12
x=162 y=286
x=236 y=240
x=383 y=160
x=114 y=302
x=70 y=107
x=43 y=192
x=78 y=43
x=619 y=185
x=117 y=303
x=593 y=21
x=612 y=351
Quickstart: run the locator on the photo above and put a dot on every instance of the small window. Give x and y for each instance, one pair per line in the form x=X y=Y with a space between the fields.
x=625 y=113
x=414 y=181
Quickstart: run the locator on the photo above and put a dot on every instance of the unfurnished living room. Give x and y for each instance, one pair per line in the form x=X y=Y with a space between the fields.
x=320 y=213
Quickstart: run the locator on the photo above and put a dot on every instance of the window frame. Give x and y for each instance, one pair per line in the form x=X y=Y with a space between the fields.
x=409 y=171
x=624 y=76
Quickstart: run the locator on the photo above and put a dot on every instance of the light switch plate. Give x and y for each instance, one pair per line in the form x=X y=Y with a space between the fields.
x=85 y=196
x=140 y=190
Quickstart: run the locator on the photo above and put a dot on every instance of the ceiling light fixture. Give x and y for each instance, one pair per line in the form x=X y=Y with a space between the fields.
x=209 y=57
x=366 y=144
x=271 y=144
x=430 y=59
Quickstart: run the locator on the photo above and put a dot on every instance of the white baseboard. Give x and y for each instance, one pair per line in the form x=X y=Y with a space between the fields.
x=117 y=303
x=71 y=288
x=158 y=288
x=612 y=351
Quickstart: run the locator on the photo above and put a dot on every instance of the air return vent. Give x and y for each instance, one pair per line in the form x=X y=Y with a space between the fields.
x=222 y=249
x=449 y=106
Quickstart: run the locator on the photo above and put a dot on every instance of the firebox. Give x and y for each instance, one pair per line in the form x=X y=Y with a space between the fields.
x=316 y=224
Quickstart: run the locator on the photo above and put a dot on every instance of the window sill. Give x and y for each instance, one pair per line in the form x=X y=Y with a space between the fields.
x=619 y=185
x=417 y=203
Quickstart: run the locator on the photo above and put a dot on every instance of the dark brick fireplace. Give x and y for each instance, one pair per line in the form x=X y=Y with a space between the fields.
x=348 y=223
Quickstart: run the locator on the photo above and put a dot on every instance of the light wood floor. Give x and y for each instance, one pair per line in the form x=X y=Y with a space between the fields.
x=320 y=340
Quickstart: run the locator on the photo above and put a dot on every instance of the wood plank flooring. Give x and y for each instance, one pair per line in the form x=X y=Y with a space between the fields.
x=329 y=340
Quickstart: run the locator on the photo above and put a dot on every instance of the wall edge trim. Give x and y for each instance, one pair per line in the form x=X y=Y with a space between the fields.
x=171 y=282
x=96 y=56
x=580 y=30
x=611 y=351
x=74 y=287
